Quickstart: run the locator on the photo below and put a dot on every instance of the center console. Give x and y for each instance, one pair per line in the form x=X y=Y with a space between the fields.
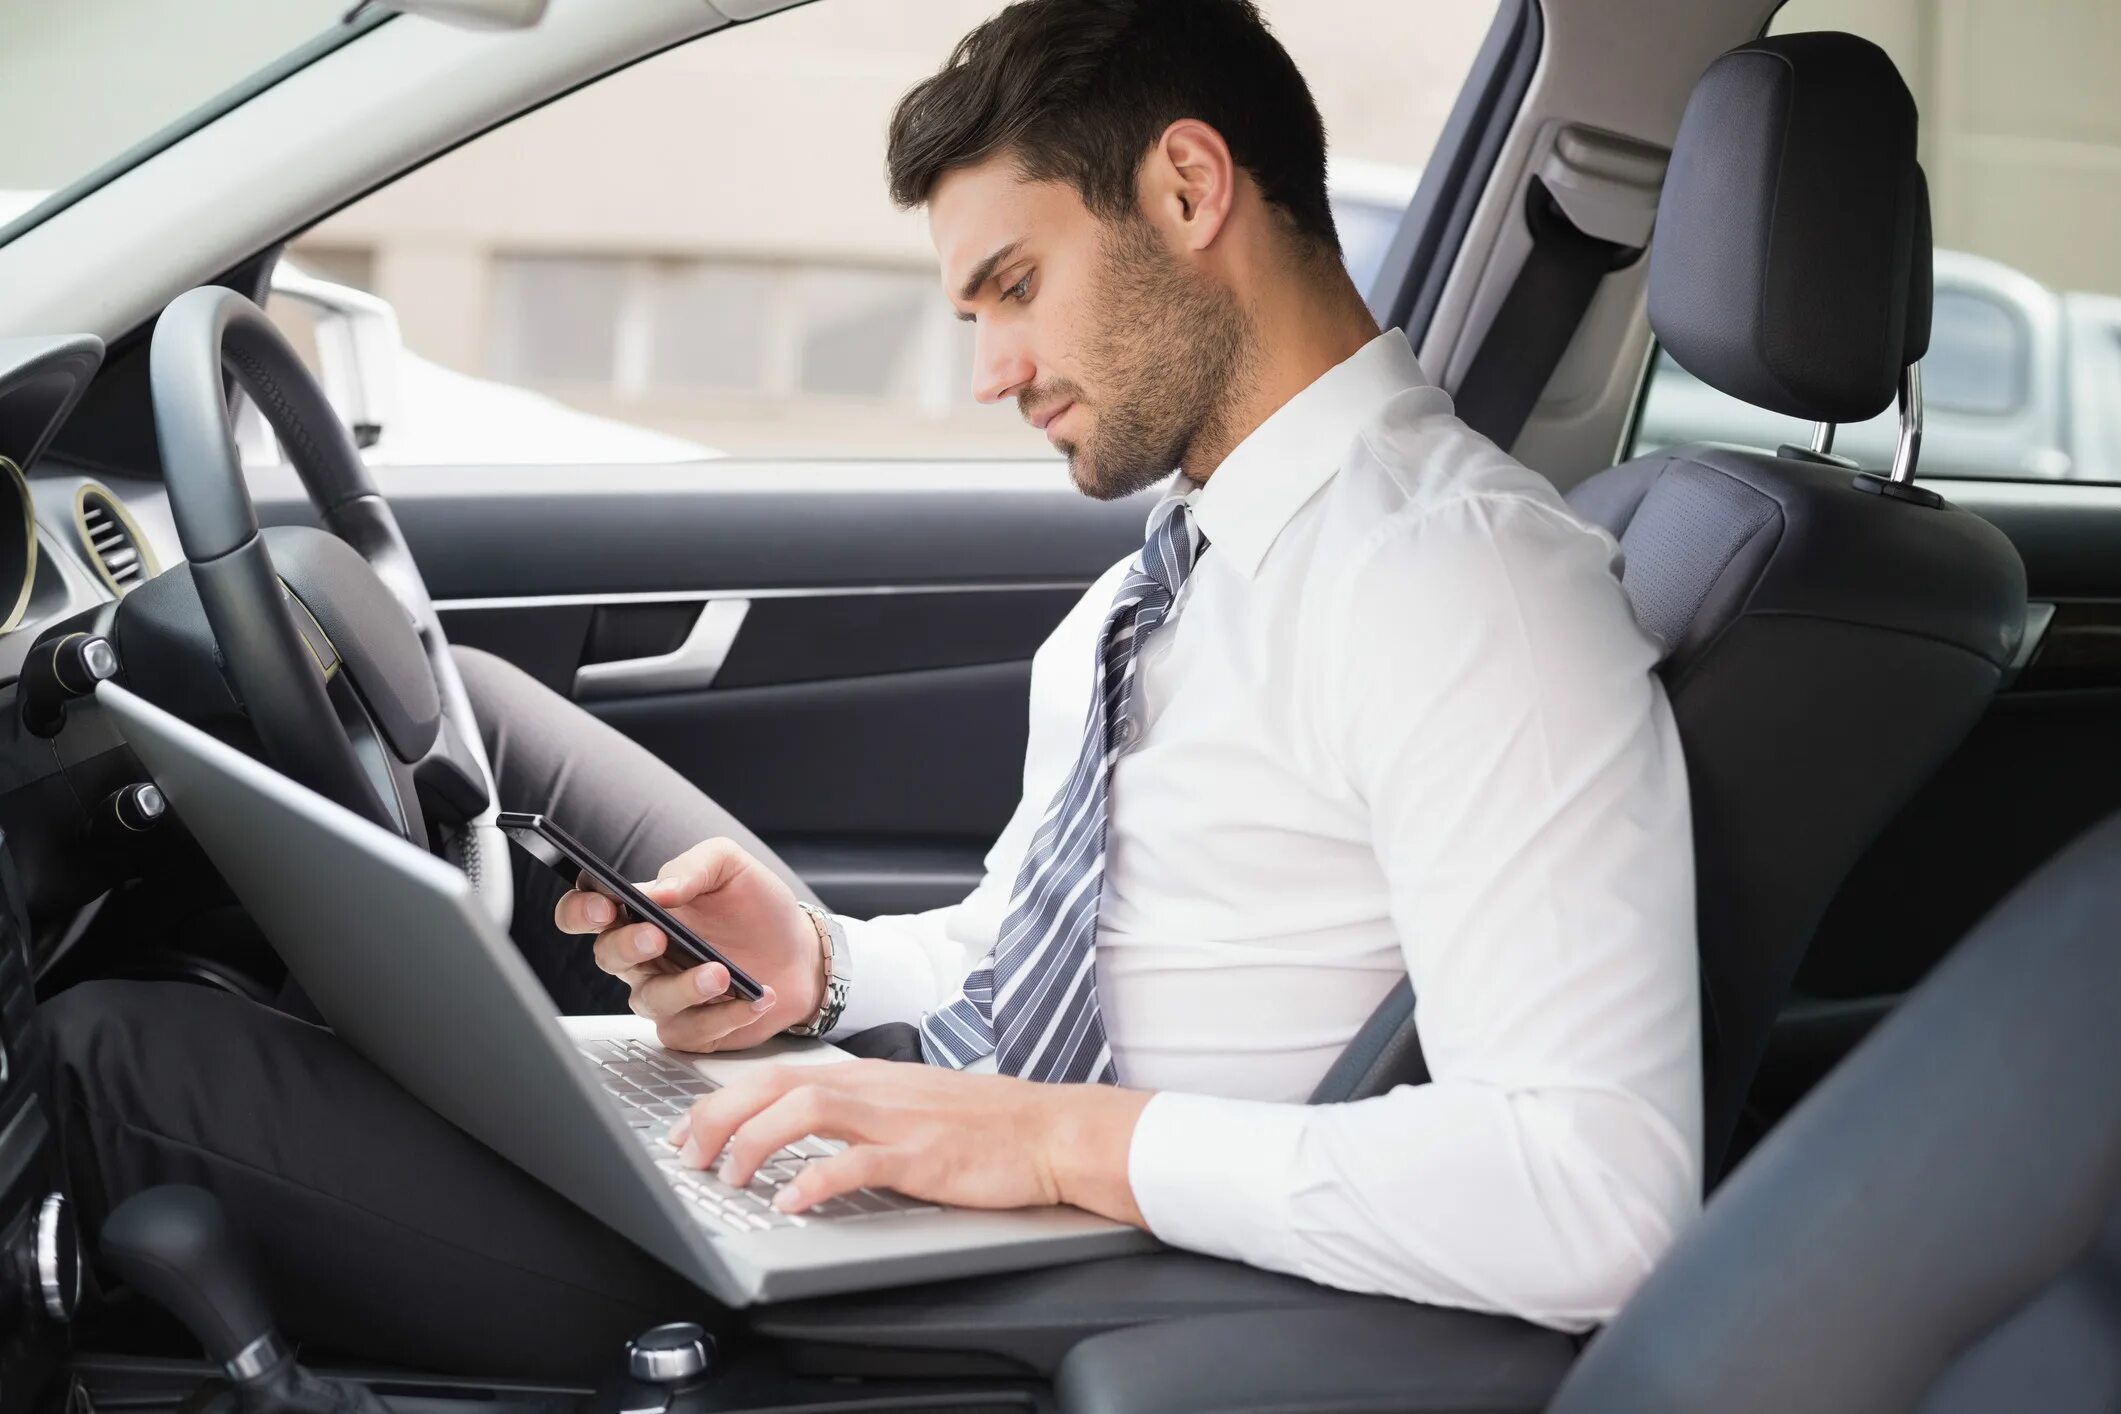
x=173 y=1247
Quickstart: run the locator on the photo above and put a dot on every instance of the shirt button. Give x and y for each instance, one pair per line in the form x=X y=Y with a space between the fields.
x=1124 y=734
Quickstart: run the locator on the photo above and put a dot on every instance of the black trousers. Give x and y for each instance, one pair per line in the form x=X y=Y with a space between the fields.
x=380 y=1230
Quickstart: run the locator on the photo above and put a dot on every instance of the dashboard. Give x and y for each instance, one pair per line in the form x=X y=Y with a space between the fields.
x=70 y=548
x=67 y=542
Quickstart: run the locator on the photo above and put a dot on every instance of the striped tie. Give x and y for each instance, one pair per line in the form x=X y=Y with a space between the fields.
x=1033 y=999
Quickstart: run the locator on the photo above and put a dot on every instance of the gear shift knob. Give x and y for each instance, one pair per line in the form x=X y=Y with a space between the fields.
x=174 y=1246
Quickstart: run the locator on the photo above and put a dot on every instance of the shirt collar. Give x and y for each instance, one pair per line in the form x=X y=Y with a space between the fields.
x=1269 y=476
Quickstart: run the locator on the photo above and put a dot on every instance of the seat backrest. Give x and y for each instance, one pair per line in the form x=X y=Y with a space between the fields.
x=1938 y=1224
x=1827 y=642
x=1826 y=645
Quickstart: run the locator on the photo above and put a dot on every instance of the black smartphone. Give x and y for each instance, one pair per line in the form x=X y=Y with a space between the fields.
x=566 y=856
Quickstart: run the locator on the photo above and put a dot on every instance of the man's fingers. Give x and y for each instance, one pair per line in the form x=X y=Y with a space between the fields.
x=699 y=870
x=806 y=1109
x=668 y=993
x=583 y=911
x=713 y=1118
x=861 y=1166
x=621 y=950
x=702 y=1029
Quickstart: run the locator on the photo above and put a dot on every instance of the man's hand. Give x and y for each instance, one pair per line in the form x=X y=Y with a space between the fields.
x=976 y=1141
x=748 y=913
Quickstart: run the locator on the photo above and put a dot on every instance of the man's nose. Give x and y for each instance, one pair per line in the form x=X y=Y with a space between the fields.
x=1001 y=365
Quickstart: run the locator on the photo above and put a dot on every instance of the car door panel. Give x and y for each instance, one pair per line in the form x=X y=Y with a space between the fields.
x=514 y=531
x=814 y=638
x=872 y=775
x=868 y=718
x=544 y=640
x=867 y=713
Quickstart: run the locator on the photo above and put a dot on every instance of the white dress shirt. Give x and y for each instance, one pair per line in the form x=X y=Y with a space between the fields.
x=1403 y=723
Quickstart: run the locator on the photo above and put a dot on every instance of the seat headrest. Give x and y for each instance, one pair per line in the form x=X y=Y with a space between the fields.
x=1783 y=261
x=1921 y=278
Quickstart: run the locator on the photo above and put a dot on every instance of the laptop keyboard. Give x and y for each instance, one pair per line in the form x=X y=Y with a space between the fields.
x=653 y=1090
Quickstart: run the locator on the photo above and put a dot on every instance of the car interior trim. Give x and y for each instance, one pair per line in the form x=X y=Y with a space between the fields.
x=2038 y=615
x=2060 y=497
x=692 y=665
x=2080 y=649
x=1908 y=448
x=1411 y=281
x=52 y=1284
x=698 y=596
x=396 y=97
x=739 y=11
x=1586 y=77
x=17 y=485
x=256 y=1358
x=150 y=563
x=359 y=21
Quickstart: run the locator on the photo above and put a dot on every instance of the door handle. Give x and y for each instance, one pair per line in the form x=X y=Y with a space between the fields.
x=2038 y=615
x=689 y=667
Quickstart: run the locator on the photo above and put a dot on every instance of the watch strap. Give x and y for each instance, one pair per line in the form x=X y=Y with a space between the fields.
x=832 y=944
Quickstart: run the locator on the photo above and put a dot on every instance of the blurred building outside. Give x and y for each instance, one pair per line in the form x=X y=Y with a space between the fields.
x=702 y=246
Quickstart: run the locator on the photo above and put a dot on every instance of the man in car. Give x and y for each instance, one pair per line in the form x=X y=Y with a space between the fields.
x=1370 y=703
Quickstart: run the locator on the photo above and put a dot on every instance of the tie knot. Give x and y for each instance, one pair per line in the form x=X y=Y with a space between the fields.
x=1169 y=552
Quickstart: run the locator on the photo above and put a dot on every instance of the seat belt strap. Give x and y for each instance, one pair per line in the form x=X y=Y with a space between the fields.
x=1384 y=1053
x=1537 y=320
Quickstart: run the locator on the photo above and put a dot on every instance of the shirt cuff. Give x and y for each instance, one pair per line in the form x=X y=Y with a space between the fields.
x=890 y=978
x=1217 y=1176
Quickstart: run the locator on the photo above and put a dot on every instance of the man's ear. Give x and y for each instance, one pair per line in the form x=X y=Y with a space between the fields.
x=1189 y=183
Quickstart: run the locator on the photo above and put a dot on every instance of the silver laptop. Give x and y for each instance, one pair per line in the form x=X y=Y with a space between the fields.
x=394 y=948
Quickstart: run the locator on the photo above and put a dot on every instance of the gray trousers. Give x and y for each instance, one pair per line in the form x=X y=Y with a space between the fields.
x=381 y=1231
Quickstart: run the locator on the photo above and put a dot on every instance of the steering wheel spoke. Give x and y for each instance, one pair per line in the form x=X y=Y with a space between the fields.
x=451 y=786
x=390 y=779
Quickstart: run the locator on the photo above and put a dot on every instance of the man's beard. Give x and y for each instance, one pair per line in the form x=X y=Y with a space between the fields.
x=1171 y=348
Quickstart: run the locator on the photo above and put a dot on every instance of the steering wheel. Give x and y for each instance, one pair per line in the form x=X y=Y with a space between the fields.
x=327 y=638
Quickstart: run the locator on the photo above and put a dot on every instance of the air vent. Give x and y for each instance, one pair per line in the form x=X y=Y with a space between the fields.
x=114 y=543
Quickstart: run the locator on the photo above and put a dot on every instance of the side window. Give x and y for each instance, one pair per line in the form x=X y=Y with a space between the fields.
x=2021 y=138
x=696 y=257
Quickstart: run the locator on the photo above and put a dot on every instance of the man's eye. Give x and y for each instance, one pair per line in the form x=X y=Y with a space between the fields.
x=1020 y=290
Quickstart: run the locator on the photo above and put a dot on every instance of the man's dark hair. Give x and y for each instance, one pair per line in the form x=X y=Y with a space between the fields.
x=1078 y=91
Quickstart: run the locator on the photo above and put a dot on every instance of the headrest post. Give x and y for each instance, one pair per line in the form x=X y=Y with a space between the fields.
x=1909 y=447
x=1823 y=438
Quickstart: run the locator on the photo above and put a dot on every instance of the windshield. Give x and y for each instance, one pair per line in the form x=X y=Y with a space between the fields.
x=83 y=82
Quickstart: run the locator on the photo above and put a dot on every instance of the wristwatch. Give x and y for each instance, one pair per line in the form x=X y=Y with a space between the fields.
x=832 y=943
